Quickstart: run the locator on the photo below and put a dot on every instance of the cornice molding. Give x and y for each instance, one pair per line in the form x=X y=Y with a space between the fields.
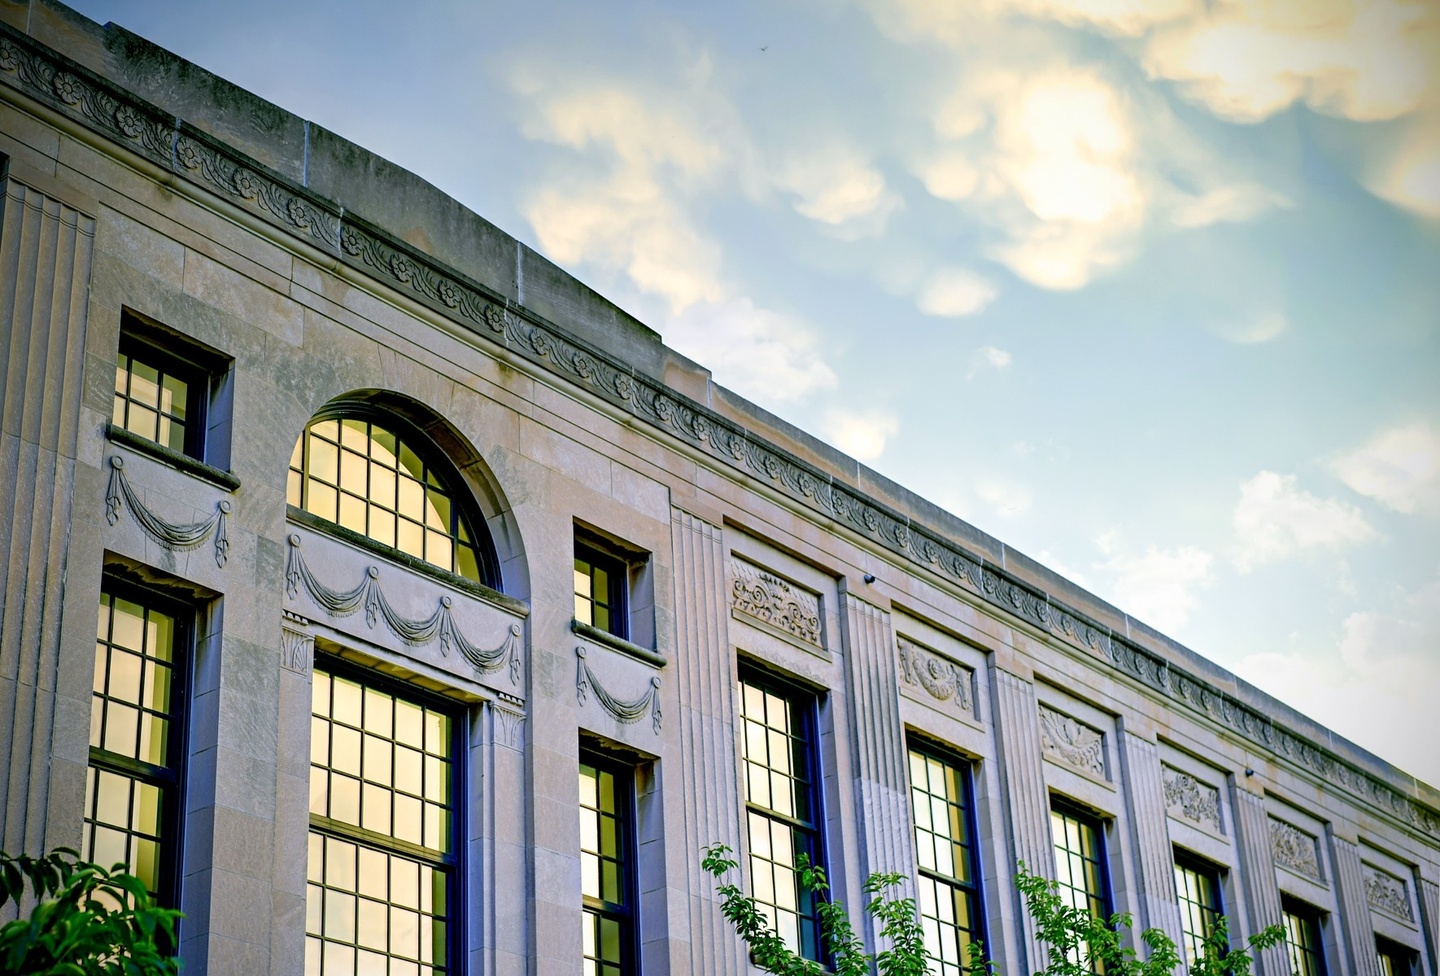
x=132 y=123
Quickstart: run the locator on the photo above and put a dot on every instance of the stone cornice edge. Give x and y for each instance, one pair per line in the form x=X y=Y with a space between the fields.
x=86 y=98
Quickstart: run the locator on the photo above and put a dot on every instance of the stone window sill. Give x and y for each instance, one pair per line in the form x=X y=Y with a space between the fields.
x=172 y=458
x=590 y=632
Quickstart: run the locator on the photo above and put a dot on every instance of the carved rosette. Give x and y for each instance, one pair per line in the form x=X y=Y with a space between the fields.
x=1072 y=742
x=1387 y=893
x=1294 y=849
x=942 y=678
x=775 y=601
x=1189 y=799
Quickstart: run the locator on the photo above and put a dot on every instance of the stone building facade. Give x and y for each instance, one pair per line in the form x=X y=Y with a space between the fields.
x=445 y=614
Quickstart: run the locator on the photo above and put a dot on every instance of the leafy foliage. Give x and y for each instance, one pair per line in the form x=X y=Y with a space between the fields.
x=1077 y=943
x=87 y=921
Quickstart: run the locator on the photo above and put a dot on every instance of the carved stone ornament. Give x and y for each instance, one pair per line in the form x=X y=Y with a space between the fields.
x=368 y=594
x=941 y=677
x=623 y=711
x=171 y=535
x=1294 y=849
x=767 y=597
x=1188 y=798
x=1387 y=893
x=197 y=160
x=297 y=650
x=1072 y=742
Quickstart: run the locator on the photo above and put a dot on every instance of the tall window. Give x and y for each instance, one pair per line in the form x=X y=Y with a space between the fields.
x=1394 y=960
x=607 y=867
x=782 y=812
x=1080 y=861
x=600 y=585
x=366 y=478
x=949 y=895
x=137 y=739
x=1197 y=887
x=382 y=863
x=156 y=397
x=1302 y=939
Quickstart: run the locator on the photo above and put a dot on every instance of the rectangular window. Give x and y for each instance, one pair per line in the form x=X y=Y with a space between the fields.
x=1080 y=861
x=167 y=391
x=1197 y=887
x=607 y=866
x=382 y=862
x=137 y=738
x=944 y=849
x=1394 y=960
x=601 y=581
x=1302 y=938
x=782 y=812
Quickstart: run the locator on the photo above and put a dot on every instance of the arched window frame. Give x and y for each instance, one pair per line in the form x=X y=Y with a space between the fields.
x=440 y=473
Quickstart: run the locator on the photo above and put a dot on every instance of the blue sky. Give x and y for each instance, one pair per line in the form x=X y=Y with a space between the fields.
x=1148 y=289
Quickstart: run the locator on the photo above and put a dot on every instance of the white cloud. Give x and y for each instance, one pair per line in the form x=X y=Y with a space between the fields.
x=1245 y=60
x=1160 y=587
x=989 y=357
x=1410 y=177
x=1225 y=204
x=1006 y=498
x=1258 y=329
x=1379 y=690
x=838 y=188
x=954 y=293
x=1399 y=468
x=861 y=434
x=763 y=355
x=949 y=176
x=1274 y=519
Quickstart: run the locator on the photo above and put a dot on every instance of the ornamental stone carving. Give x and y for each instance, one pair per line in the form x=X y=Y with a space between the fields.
x=1294 y=849
x=768 y=598
x=1189 y=799
x=297 y=648
x=942 y=678
x=1072 y=742
x=1387 y=893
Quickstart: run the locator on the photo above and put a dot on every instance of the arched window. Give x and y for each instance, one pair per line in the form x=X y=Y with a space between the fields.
x=374 y=477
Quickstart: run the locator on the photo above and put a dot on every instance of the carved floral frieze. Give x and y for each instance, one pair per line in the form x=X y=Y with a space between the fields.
x=200 y=160
x=1072 y=742
x=777 y=602
x=941 y=678
x=1294 y=849
x=1189 y=799
x=1387 y=893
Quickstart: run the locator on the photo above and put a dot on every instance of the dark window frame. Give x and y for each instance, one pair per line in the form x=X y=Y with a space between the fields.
x=626 y=913
x=1085 y=817
x=1307 y=920
x=464 y=510
x=1394 y=958
x=454 y=863
x=204 y=371
x=804 y=709
x=974 y=887
x=1210 y=913
x=169 y=777
x=617 y=568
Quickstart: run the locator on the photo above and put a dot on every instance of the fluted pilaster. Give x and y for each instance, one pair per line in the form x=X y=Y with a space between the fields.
x=1257 y=870
x=1149 y=823
x=45 y=257
x=1027 y=803
x=709 y=778
x=1358 y=952
x=1429 y=898
x=882 y=793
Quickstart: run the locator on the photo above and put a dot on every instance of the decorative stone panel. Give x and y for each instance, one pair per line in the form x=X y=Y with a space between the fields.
x=943 y=680
x=297 y=648
x=779 y=603
x=1187 y=798
x=1294 y=849
x=1072 y=742
x=1387 y=893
